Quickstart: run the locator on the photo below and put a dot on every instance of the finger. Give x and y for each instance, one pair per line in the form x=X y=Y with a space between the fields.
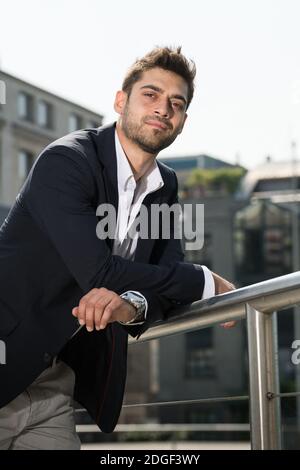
x=112 y=312
x=96 y=303
x=85 y=300
x=99 y=310
x=228 y=324
x=75 y=311
x=81 y=309
x=107 y=314
x=89 y=316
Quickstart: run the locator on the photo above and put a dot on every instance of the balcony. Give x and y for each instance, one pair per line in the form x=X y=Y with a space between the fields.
x=258 y=305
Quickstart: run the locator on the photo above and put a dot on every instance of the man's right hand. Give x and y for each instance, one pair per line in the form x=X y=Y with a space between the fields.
x=102 y=306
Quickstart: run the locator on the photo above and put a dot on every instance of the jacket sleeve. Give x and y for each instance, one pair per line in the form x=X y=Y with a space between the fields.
x=59 y=195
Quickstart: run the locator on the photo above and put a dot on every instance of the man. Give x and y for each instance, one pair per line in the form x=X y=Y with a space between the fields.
x=54 y=265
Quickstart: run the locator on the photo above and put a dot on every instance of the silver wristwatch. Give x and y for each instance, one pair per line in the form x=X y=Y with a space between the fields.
x=138 y=301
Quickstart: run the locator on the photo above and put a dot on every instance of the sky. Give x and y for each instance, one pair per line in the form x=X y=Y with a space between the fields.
x=247 y=52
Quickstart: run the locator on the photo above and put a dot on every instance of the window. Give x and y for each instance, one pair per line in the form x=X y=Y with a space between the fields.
x=2 y=92
x=25 y=161
x=45 y=114
x=200 y=355
x=262 y=241
x=25 y=106
x=74 y=122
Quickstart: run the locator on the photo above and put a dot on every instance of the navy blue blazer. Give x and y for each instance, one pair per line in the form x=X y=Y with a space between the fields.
x=50 y=256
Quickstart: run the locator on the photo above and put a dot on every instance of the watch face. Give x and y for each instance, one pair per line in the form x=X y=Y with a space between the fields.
x=138 y=303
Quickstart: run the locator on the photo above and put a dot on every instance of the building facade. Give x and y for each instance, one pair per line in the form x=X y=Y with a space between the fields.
x=185 y=164
x=202 y=364
x=31 y=118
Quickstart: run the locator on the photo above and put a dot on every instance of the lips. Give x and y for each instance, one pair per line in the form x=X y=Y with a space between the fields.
x=157 y=124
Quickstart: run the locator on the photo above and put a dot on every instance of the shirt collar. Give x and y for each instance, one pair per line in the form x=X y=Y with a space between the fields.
x=150 y=181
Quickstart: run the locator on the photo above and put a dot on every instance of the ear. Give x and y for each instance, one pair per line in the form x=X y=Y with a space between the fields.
x=120 y=101
x=184 y=119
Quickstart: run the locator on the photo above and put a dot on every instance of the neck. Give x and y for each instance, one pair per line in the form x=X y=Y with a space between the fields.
x=139 y=160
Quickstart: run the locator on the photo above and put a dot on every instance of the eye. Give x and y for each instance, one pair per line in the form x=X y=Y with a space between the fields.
x=149 y=94
x=177 y=105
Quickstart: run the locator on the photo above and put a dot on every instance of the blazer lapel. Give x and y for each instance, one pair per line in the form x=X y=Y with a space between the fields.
x=107 y=155
x=145 y=245
x=109 y=159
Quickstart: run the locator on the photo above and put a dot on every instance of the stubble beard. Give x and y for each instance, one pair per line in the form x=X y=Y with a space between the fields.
x=149 y=140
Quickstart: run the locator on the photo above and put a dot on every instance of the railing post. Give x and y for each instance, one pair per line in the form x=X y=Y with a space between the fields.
x=265 y=420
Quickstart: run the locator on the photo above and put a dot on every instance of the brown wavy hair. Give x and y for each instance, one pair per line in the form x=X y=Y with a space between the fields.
x=166 y=58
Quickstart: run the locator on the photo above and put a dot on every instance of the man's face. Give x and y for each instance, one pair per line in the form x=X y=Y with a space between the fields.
x=154 y=113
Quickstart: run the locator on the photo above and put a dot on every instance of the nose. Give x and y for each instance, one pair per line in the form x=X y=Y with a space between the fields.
x=163 y=109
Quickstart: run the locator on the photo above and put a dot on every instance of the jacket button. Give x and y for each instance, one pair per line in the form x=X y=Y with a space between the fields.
x=47 y=358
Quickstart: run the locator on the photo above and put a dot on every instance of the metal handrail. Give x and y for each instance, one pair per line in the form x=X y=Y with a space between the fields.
x=258 y=303
x=266 y=297
x=168 y=427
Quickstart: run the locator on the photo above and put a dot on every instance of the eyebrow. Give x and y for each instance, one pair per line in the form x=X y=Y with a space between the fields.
x=160 y=90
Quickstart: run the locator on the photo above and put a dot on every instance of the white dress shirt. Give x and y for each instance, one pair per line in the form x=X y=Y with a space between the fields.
x=131 y=196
